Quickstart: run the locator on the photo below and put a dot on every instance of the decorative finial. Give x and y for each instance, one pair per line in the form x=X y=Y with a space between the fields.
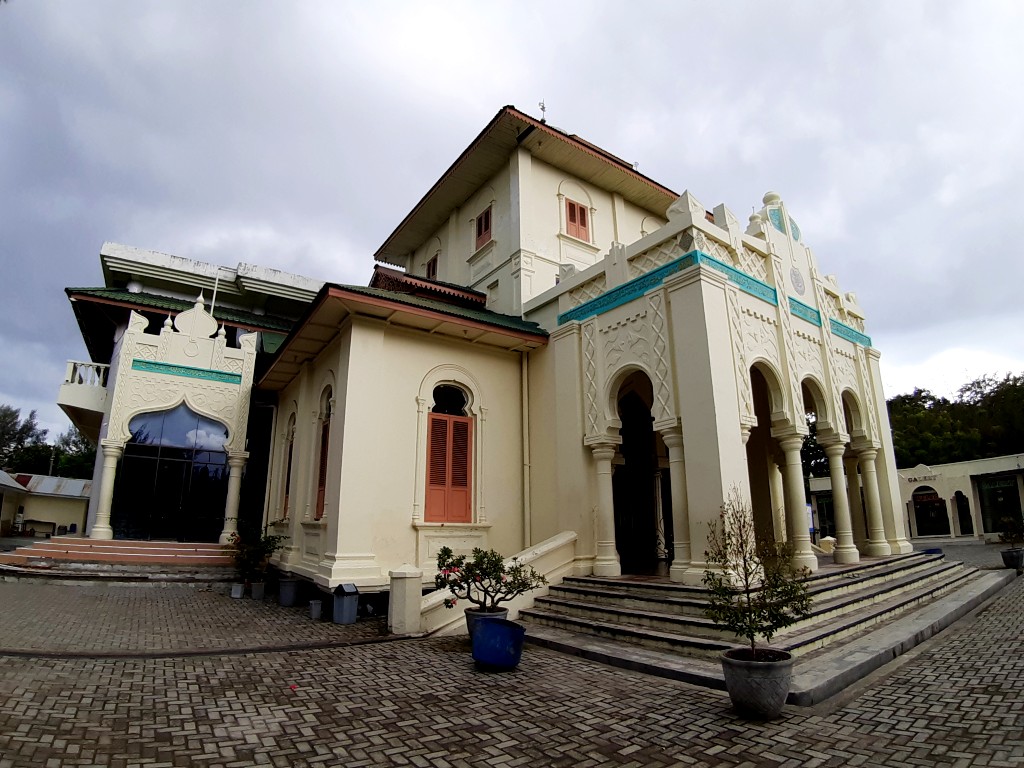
x=543 y=111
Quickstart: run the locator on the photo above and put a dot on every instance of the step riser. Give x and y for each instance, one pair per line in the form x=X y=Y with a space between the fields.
x=698 y=626
x=621 y=614
x=640 y=599
x=73 y=541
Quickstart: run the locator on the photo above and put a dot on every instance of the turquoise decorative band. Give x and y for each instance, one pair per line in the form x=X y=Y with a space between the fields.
x=848 y=333
x=638 y=286
x=188 y=372
x=810 y=314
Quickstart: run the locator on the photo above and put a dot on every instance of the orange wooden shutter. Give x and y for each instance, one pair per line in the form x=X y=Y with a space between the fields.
x=437 y=469
x=449 y=469
x=460 y=509
x=583 y=233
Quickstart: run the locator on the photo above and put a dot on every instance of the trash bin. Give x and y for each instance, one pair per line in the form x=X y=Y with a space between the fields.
x=288 y=592
x=346 y=602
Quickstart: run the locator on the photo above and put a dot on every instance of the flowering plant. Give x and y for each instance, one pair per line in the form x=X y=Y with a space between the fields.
x=484 y=579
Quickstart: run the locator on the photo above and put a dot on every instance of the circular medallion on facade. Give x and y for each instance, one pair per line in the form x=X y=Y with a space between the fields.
x=798 y=280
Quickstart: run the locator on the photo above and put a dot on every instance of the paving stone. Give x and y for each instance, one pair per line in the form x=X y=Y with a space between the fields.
x=422 y=703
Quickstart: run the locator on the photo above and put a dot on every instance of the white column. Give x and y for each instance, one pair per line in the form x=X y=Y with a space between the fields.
x=236 y=462
x=877 y=545
x=778 y=498
x=796 y=505
x=681 y=557
x=846 y=550
x=607 y=561
x=111 y=454
x=853 y=497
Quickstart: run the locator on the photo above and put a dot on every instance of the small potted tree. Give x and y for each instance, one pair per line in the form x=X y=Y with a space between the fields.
x=1013 y=534
x=485 y=580
x=252 y=557
x=754 y=591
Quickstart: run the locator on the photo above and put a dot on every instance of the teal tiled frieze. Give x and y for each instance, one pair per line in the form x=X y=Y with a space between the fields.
x=810 y=314
x=850 y=334
x=637 y=287
x=186 y=371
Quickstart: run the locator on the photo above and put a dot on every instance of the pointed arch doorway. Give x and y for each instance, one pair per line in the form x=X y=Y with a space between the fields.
x=173 y=480
x=641 y=488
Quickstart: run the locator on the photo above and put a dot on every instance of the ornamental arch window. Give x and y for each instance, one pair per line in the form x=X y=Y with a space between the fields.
x=326 y=408
x=449 y=457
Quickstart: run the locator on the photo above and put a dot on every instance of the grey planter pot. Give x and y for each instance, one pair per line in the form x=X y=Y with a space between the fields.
x=1013 y=558
x=259 y=590
x=237 y=591
x=472 y=615
x=288 y=592
x=758 y=689
x=315 y=609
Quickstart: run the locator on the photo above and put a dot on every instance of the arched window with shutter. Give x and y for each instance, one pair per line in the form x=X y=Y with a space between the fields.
x=326 y=404
x=449 y=458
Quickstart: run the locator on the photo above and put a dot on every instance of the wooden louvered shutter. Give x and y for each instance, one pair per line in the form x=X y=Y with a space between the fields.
x=460 y=509
x=437 y=469
x=321 y=485
x=449 y=469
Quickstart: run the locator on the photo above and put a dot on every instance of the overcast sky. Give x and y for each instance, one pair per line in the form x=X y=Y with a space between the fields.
x=296 y=136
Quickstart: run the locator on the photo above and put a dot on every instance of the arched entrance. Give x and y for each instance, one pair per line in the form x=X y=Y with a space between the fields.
x=930 y=512
x=763 y=458
x=640 y=484
x=173 y=479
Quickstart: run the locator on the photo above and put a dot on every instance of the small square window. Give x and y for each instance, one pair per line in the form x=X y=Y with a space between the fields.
x=483 y=228
x=577 y=221
x=432 y=269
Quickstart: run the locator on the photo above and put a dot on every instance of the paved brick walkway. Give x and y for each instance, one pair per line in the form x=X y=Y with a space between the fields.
x=56 y=619
x=421 y=703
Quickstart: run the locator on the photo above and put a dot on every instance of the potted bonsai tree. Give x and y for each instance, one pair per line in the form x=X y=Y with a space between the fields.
x=1013 y=534
x=485 y=580
x=754 y=591
x=252 y=556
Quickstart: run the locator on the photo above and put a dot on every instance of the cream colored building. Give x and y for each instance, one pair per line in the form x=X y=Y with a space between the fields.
x=567 y=351
x=42 y=504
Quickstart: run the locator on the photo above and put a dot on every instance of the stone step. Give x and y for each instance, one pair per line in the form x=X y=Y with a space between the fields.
x=677 y=599
x=670 y=617
x=80 y=541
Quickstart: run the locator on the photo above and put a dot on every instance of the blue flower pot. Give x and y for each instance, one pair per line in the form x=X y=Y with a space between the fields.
x=497 y=644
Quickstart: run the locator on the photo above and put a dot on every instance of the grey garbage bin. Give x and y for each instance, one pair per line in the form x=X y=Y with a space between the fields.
x=346 y=602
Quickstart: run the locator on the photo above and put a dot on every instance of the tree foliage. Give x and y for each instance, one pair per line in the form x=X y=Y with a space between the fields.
x=23 y=448
x=754 y=590
x=17 y=434
x=984 y=419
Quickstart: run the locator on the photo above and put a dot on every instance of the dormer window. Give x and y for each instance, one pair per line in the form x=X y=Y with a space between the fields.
x=432 y=269
x=577 y=222
x=483 y=228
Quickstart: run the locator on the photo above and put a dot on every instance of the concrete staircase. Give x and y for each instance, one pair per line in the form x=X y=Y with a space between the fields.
x=669 y=617
x=70 y=558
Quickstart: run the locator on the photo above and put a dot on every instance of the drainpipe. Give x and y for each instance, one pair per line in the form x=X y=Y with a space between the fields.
x=525 y=389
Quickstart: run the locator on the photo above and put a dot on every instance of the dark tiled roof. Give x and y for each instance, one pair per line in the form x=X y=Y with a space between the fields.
x=470 y=313
x=166 y=304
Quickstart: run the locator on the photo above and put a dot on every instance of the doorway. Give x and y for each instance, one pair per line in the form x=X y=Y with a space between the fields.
x=640 y=485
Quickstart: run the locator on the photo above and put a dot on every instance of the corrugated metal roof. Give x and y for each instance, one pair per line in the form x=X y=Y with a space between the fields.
x=480 y=315
x=165 y=303
x=44 y=485
x=9 y=483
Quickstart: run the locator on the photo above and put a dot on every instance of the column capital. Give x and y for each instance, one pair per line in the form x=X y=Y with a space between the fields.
x=833 y=448
x=112 y=448
x=672 y=436
x=791 y=443
x=603 y=451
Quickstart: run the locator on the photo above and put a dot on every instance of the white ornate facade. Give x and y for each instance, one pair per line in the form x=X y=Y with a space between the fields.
x=188 y=362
